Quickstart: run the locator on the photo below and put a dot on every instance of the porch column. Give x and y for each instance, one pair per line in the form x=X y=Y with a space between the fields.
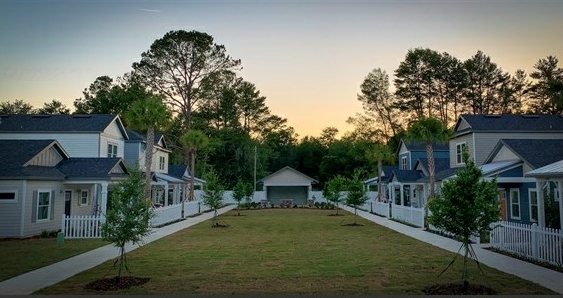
x=402 y=193
x=560 y=191
x=104 y=197
x=176 y=194
x=541 y=203
x=166 y=194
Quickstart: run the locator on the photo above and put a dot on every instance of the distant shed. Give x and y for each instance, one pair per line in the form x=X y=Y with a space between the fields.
x=287 y=184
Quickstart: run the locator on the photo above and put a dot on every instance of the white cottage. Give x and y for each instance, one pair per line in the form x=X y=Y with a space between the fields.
x=287 y=186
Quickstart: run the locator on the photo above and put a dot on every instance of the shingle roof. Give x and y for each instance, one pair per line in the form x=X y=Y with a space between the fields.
x=15 y=153
x=440 y=164
x=56 y=123
x=536 y=152
x=418 y=146
x=511 y=122
x=137 y=137
x=407 y=175
x=177 y=171
x=446 y=173
x=90 y=167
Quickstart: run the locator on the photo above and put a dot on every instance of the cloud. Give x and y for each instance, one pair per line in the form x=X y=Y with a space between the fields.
x=149 y=10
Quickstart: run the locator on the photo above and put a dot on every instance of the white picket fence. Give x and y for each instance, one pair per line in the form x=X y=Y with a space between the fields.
x=410 y=215
x=82 y=226
x=531 y=241
x=380 y=208
x=164 y=215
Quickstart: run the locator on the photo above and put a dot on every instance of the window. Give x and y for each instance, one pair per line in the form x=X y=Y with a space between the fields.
x=161 y=162
x=112 y=150
x=459 y=153
x=533 y=195
x=403 y=163
x=515 y=203
x=8 y=196
x=83 y=197
x=43 y=205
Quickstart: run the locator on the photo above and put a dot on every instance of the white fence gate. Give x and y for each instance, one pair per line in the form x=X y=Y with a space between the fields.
x=82 y=226
x=531 y=241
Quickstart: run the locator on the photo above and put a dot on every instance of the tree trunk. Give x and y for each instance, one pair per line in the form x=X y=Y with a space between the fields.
x=148 y=162
x=431 y=168
x=191 y=196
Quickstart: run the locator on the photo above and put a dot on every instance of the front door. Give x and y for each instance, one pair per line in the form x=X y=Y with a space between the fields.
x=68 y=200
x=502 y=203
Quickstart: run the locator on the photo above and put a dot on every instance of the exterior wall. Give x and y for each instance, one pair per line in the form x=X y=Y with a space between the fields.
x=11 y=212
x=404 y=155
x=515 y=172
x=524 y=201
x=132 y=154
x=75 y=144
x=155 y=161
x=76 y=208
x=468 y=139
x=35 y=228
x=463 y=125
x=104 y=141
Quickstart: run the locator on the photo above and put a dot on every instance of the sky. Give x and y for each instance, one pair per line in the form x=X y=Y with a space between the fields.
x=308 y=58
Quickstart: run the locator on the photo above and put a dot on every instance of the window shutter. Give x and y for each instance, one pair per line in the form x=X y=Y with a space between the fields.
x=34 y=207
x=52 y=202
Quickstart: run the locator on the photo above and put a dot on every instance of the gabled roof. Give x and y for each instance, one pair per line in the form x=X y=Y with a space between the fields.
x=387 y=171
x=93 y=168
x=290 y=169
x=447 y=173
x=440 y=164
x=494 y=168
x=406 y=175
x=553 y=170
x=535 y=152
x=137 y=137
x=510 y=122
x=58 y=123
x=15 y=154
x=421 y=146
x=182 y=172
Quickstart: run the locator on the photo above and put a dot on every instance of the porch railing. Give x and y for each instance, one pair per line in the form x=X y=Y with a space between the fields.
x=82 y=226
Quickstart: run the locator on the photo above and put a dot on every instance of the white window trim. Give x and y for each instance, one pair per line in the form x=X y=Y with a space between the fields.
x=14 y=191
x=403 y=163
x=116 y=150
x=81 y=197
x=39 y=191
x=519 y=209
x=161 y=162
x=530 y=191
x=458 y=145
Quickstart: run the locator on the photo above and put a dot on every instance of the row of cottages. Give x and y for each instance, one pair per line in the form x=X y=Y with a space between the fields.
x=523 y=152
x=67 y=164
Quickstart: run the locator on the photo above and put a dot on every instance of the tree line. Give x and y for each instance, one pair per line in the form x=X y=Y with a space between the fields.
x=231 y=126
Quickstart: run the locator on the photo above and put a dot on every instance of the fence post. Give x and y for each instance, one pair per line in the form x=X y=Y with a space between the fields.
x=501 y=234
x=535 y=242
x=63 y=223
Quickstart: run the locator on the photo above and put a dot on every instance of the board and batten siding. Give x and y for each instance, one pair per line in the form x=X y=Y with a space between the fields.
x=11 y=211
x=35 y=228
x=48 y=158
x=78 y=144
x=463 y=125
x=485 y=142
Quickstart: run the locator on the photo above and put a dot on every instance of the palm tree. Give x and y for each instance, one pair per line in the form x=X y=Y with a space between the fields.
x=429 y=130
x=148 y=113
x=193 y=141
x=380 y=154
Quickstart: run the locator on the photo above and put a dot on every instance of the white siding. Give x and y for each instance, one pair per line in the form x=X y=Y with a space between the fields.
x=403 y=149
x=75 y=144
x=109 y=140
x=505 y=154
x=75 y=207
x=113 y=132
x=287 y=178
x=156 y=161
x=10 y=212
x=35 y=228
x=468 y=142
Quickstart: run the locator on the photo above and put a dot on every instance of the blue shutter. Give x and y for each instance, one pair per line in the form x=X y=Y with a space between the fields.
x=34 y=207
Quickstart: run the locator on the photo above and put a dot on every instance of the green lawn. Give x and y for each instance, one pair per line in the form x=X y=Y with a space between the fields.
x=291 y=251
x=21 y=256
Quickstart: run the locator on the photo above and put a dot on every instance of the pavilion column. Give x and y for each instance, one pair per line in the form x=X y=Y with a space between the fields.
x=104 y=199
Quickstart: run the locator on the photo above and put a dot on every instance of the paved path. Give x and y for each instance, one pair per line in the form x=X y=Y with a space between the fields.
x=32 y=281
x=548 y=278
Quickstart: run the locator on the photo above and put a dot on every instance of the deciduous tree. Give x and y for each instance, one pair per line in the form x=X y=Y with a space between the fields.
x=213 y=193
x=356 y=195
x=18 y=106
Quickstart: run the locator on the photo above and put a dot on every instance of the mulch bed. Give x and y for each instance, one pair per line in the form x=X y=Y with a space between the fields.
x=457 y=289
x=116 y=283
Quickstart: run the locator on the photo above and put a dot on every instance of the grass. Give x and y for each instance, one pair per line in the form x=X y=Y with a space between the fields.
x=19 y=256
x=291 y=251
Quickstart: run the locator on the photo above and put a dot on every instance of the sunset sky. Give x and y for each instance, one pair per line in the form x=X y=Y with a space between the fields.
x=308 y=58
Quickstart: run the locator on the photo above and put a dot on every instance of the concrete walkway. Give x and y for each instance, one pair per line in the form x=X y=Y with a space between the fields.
x=32 y=281
x=548 y=278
